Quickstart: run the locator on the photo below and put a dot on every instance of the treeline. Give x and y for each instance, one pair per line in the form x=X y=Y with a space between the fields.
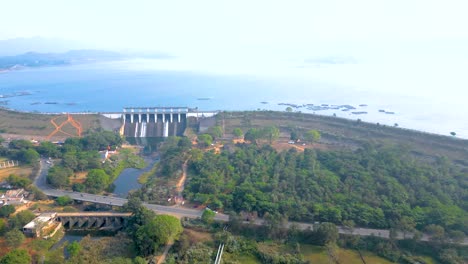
x=23 y=151
x=375 y=186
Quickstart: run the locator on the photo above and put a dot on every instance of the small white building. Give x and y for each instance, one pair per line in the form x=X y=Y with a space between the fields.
x=39 y=224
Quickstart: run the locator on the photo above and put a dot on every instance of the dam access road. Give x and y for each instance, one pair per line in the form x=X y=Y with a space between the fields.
x=41 y=183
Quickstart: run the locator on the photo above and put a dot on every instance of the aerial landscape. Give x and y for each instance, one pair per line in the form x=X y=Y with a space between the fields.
x=233 y=132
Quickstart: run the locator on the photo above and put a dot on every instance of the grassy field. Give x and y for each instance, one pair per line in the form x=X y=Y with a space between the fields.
x=24 y=171
x=318 y=255
x=40 y=126
x=244 y=259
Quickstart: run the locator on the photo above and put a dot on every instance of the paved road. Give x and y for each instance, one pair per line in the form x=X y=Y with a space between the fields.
x=40 y=182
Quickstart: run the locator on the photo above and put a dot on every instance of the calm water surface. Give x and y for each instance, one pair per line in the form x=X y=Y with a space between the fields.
x=108 y=87
x=128 y=179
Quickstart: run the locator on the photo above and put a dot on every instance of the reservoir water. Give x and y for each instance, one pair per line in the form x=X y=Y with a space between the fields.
x=413 y=96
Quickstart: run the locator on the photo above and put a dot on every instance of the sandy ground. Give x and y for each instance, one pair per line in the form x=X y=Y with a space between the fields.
x=79 y=177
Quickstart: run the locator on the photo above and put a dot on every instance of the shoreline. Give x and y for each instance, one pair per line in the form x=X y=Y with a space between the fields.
x=325 y=116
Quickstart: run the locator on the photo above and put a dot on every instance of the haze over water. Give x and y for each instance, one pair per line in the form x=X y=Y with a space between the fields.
x=110 y=86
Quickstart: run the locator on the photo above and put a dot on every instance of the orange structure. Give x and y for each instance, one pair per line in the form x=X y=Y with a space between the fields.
x=58 y=128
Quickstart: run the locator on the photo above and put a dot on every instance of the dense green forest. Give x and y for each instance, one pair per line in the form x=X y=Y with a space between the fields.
x=375 y=186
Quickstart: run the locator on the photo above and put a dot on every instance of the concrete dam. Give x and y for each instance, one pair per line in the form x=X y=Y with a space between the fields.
x=154 y=122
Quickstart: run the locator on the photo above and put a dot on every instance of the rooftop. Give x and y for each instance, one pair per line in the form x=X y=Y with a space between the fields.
x=43 y=218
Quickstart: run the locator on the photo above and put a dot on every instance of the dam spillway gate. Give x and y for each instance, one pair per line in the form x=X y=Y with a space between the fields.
x=154 y=121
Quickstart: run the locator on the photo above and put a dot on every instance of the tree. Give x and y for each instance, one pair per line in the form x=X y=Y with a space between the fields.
x=28 y=156
x=328 y=233
x=21 y=219
x=6 y=210
x=16 y=256
x=217 y=132
x=18 y=182
x=3 y=226
x=450 y=256
x=453 y=133
x=457 y=236
x=185 y=143
x=74 y=249
x=78 y=187
x=252 y=135
x=70 y=160
x=20 y=144
x=48 y=149
x=238 y=133
x=64 y=200
x=14 y=238
x=205 y=140
x=312 y=135
x=139 y=260
x=97 y=180
x=59 y=176
x=289 y=109
x=208 y=216
x=436 y=232
x=349 y=225
x=159 y=231
x=271 y=133
x=38 y=194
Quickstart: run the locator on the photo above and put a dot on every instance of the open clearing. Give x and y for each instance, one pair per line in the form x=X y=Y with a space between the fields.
x=19 y=171
x=18 y=125
x=318 y=255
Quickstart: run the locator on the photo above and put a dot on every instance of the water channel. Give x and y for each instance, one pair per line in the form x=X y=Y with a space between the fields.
x=128 y=179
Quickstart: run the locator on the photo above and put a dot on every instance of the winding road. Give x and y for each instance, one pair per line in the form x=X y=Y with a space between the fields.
x=40 y=182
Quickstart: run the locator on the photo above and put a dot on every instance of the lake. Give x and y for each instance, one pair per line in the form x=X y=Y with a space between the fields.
x=110 y=86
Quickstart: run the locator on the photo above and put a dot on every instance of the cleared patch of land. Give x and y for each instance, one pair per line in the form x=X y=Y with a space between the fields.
x=24 y=171
x=19 y=125
x=78 y=177
x=318 y=255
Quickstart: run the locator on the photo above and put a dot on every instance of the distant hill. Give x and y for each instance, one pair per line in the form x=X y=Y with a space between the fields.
x=34 y=59
x=17 y=46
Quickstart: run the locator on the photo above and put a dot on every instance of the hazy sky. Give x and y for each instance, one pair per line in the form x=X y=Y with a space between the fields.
x=413 y=46
x=233 y=28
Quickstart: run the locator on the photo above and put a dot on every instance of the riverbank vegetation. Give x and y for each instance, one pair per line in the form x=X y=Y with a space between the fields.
x=81 y=155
